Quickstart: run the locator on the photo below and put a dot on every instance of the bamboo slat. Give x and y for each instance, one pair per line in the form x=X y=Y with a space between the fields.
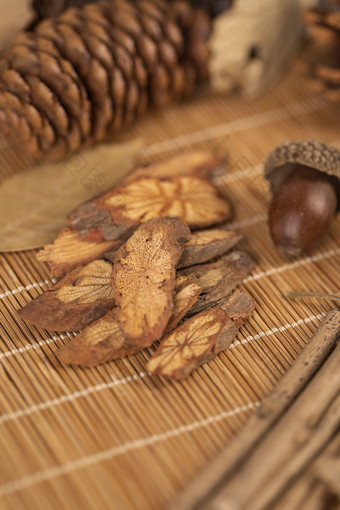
x=113 y=437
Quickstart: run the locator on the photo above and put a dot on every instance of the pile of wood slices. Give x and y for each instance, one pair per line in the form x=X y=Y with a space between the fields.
x=142 y=263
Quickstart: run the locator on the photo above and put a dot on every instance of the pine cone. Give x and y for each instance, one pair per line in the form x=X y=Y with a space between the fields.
x=78 y=78
x=321 y=57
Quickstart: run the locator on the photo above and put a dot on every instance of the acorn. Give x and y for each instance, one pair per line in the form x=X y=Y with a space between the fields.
x=305 y=180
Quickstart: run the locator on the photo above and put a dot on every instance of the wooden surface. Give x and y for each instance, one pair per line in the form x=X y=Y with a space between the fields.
x=113 y=437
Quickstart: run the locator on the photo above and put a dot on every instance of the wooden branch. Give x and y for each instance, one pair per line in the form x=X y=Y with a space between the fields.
x=298 y=494
x=327 y=467
x=287 y=450
x=321 y=295
x=317 y=487
x=264 y=433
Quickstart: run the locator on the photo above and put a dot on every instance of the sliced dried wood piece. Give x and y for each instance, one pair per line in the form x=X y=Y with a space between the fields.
x=203 y=246
x=100 y=342
x=103 y=340
x=207 y=244
x=189 y=198
x=186 y=295
x=70 y=250
x=201 y=338
x=81 y=297
x=198 y=163
x=218 y=279
x=238 y=307
x=144 y=275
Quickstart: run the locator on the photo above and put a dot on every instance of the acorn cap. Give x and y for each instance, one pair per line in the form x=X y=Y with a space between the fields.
x=312 y=153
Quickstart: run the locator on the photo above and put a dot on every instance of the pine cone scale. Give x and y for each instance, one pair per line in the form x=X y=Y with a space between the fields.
x=162 y=82
x=98 y=48
x=46 y=101
x=92 y=74
x=14 y=82
x=58 y=74
x=12 y=109
x=43 y=126
x=124 y=51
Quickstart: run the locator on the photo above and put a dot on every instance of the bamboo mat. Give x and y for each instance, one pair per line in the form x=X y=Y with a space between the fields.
x=113 y=437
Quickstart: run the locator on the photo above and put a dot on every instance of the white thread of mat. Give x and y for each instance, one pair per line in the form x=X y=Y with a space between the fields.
x=71 y=397
x=36 y=345
x=274 y=270
x=234 y=126
x=270 y=332
x=112 y=384
x=28 y=287
x=293 y=265
x=89 y=460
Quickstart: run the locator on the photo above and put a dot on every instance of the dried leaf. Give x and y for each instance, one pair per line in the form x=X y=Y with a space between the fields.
x=201 y=338
x=218 y=279
x=190 y=198
x=70 y=250
x=35 y=203
x=144 y=274
x=103 y=340
x=207 y=244
x=81 y=297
